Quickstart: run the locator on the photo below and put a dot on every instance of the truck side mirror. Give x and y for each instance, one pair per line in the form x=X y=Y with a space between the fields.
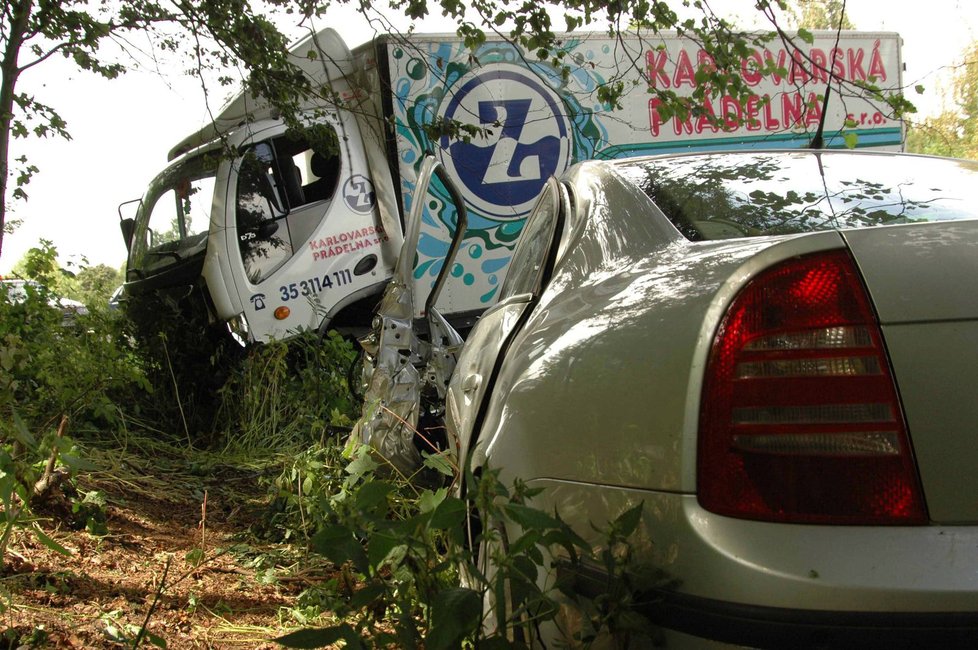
x=128 y=224
x=128 y=227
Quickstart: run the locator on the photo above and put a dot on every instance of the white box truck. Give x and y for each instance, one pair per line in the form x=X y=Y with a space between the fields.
x=272 y=233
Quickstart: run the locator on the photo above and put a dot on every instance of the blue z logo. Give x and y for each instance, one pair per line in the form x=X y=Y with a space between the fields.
x=527 y=140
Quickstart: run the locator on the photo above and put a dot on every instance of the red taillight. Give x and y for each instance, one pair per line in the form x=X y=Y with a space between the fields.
x=800 y=420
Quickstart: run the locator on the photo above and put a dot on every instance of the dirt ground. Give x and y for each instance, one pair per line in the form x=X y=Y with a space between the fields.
x=195 y=572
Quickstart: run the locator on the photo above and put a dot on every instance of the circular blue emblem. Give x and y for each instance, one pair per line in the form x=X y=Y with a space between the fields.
x=524 y=139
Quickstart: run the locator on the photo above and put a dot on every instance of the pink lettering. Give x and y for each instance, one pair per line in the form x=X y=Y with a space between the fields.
x=655 y=120
x=752 y=111
x=856 y=71
x=771 y=123
x=838 y=63
x=684 y=71
x=656 y=62
x=820 y=66
x=799 y=73
x=732 y=112
x=814 y=113
x=707 y=119
x=779 y=63
x=792 y=109
x=877 y=70
x=750 y=68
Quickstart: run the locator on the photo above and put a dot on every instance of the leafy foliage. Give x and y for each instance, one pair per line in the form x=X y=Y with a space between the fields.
x=430 y=568
x=288 y=393
x=213 y=392
x=53 y=366
x=54 y=372
x=93 y=285
x=819 y=14
x=953 y=132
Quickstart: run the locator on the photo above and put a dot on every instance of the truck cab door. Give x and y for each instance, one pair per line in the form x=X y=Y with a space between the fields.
x=301 y=232
x=408 y=360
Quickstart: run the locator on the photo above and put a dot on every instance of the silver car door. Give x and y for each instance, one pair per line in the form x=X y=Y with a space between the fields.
x=401 y=363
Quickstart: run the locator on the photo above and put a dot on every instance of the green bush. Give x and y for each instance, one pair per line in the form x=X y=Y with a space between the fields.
x=60 y=378
x=83 y=369
x=187 y=361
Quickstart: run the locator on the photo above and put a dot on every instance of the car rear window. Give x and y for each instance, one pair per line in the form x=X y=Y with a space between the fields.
x=723 y=196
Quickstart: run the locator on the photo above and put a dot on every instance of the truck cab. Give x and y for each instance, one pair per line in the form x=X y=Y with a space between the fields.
x=267 y=228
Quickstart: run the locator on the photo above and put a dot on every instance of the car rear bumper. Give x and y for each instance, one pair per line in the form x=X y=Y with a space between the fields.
x=774 y=627
x=768 y=584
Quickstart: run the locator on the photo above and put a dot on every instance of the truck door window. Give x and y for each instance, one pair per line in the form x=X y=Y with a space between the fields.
x=175 y=216
x=263 y=232
x=282 y=187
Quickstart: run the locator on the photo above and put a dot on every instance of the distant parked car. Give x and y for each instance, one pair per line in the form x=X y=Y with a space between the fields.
x=775 y=353
x=17 y=291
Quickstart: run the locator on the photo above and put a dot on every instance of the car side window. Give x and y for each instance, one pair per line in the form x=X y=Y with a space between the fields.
x=532 y=253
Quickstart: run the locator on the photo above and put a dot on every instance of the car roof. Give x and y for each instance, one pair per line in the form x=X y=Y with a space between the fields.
x=741 y=153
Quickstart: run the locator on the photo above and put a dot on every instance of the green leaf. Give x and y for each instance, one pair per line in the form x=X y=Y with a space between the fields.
x=194 y=556
x=455 y=614
x=628 y=521
x=441 y=463
x=362 y=462
x=78 y=464
x=372 y=495
x=528 y=517
x=50 y=543
x=338 y=544
x=851 y=139
x=367 y=595
x=115 y=634
x=21 y=433
x=321 y=637
x=450 y=513
x=380 y=546
x=806 y=35
x=429 y=500
x=919 y=88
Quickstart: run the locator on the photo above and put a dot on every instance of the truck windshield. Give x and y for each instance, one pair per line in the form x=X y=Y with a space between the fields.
x=172 y=222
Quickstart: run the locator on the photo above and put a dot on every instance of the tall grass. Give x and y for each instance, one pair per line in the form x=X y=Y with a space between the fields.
x=287 y=394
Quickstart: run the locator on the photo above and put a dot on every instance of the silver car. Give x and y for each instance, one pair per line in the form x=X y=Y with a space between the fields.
x=17 y=290
x=774 y=353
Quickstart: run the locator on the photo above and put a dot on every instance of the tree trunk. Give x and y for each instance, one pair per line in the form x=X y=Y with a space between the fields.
x=20 y=13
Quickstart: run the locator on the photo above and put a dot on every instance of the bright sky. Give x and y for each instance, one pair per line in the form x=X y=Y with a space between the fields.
x=122 y=129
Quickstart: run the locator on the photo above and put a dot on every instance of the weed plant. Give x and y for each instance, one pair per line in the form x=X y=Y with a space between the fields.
x=429 y=568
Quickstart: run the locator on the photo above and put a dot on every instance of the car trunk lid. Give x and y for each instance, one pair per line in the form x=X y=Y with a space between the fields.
x=922 y=279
